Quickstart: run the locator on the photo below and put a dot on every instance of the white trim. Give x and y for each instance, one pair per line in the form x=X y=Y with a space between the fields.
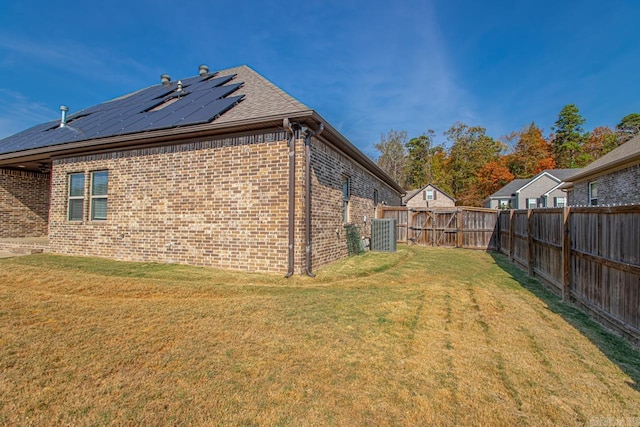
x=537 y=177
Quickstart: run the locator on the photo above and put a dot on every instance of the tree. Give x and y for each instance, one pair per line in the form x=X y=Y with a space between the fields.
x=492 y=176
x=628 y=127
x=569 y=137
x=393 y=156
x=531 y=152
x=599 y=142
x=470 y=150
x=425 y=161
x=419 y=160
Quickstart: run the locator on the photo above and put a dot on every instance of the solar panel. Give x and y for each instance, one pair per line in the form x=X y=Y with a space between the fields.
x=201 y=101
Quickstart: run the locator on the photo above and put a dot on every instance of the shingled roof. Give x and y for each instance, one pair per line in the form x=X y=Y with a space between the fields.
x=223 y=97
x=629 y=152
x=229 y=101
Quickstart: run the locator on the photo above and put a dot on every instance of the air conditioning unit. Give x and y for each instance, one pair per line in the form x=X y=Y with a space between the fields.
x=383 y=235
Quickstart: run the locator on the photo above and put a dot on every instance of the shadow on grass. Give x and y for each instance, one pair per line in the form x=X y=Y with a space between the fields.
x=616 y=348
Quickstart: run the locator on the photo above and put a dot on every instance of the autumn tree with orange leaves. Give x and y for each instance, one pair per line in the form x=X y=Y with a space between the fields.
x=531 y=154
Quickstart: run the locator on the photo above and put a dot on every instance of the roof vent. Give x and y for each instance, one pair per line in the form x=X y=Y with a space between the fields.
x=203 y=70
x=63 y=119
x=165 y=79
x=179 y=86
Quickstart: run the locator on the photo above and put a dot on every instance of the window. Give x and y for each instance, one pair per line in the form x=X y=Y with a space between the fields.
x=428 y=195
x=532 y=203
x=593 y=193
x=76 y=197
x=99 y=184
x=346 y=195
x=559 y=202
x=504 y=204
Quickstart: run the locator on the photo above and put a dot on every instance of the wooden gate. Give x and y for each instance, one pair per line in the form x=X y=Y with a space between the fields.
x=462 y=227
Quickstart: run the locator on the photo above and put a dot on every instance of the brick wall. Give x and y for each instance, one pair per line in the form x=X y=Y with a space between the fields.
x=220 y=203
x=619 y=187
x=24 y=203
x=328 y=233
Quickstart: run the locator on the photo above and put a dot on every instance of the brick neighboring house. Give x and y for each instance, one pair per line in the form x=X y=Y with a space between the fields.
x=221 y=169
x=612 y=179
x=543 y=190
x=428 y=196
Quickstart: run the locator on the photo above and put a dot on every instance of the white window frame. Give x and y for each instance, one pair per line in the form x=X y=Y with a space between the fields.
x=529 y=203
x=429 y=195
x=95 y=197
x=560 y=202
x=71 y=197
x=593 y=199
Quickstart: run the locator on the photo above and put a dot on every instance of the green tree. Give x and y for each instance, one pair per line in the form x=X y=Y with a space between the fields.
x=424 y=161
x=393 y=156
x=569 y=137
x=470 y=150
x=628 y=127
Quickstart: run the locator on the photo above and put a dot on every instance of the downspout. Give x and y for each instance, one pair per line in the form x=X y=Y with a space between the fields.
x=307 y=190
x=292 y=195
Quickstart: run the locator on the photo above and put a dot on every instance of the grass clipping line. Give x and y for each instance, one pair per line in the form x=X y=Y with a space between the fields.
x=422 y=336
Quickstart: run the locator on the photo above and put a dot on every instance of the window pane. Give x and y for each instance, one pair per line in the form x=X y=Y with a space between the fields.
x=346 y=193
x=99 y=209
x=429 y=194
x=76 y=185
x=75 y=209
x=99 y=183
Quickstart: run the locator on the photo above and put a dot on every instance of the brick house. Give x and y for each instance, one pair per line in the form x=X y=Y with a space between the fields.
x=428 y=196
x=544 y=190
x=221 y=169
x=612 y=179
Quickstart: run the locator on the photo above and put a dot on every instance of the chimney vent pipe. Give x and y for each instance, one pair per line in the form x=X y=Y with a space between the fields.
x=203 y=70
x=165 y=79
x=63 y=119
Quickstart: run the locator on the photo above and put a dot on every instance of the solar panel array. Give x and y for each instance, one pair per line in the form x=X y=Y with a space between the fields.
x=201 y=100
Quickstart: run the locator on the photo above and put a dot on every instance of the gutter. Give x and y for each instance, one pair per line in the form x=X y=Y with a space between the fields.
x=289 y=127
x=307 y=190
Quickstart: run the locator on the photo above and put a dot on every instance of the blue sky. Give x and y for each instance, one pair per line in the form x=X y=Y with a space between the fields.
x=365 y=66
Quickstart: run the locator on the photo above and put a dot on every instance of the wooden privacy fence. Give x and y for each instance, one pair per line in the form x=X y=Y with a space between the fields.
x=591 y=255
x=462 y=227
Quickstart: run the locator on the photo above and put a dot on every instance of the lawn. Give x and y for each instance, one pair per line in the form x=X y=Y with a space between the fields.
x=418 y=337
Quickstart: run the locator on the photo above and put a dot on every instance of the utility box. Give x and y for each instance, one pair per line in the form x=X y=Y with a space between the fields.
x=383 y=235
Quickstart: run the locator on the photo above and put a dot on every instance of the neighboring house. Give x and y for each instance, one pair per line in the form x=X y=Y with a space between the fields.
x=504 y=198
x=543 y=190
x=612 y=179
x=221 y=169
x=428 y=196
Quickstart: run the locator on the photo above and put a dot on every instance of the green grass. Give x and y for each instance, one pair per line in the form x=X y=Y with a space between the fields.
x=418 y=337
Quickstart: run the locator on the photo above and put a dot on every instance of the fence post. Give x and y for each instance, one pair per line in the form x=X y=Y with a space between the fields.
x=512 y=235
x=531 y=242
x=459 y=231
x=566 y=254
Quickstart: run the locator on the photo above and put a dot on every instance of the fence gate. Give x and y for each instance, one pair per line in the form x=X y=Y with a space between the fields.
x=462 y=227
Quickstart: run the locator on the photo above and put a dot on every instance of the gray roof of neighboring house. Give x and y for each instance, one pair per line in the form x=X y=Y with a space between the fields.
x=510 y=188
x=222 y=97
x=627 y=152
x=561 y=174
x=515 y=185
